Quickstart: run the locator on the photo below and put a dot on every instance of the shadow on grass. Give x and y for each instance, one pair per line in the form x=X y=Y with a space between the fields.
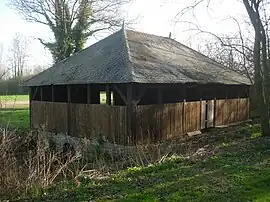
x=239 y=172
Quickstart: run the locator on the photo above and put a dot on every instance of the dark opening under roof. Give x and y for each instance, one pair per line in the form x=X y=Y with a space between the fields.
x=134 y=57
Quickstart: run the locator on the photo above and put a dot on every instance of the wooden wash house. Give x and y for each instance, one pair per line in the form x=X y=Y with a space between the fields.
x=156 y=88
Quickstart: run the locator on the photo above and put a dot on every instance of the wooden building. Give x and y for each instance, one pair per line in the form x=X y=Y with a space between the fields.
x=156 y=88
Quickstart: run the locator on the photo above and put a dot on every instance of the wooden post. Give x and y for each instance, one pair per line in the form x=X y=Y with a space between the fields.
x=108 y=95
x=160 y=114
x=238 y=104
x=215 y=109
x=184 y=109
x=68 y=109
x=30 y=105
x=131 y=115
x=88 y=94
x=52 y=93
x=41 y=93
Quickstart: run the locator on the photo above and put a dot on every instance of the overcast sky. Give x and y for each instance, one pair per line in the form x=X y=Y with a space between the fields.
x=153 y=16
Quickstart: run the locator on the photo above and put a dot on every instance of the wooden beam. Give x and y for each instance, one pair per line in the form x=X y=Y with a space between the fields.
x=108 y=95
x=139 y=96
x=124 y=98
x=52 y=93
x=41 y=93
x=88 y=94
x=184 y=117
x=35 y=92
x=131 y=115
x=68 y=109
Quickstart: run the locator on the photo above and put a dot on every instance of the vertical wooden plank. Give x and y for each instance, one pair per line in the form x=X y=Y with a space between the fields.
x=210 y=113
x=160 y=113
x=129 y=113
x=203 y=114
x=214 y=112
x=184 y=117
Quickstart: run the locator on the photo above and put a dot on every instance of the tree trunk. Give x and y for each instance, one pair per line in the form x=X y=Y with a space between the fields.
x=260 y=64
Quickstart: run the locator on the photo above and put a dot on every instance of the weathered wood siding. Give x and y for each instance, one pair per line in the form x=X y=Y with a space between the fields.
x=50 y=116
x=231 y=111
x=88 y=121
x=152 y=122
x=159 y=122
x=81 y=120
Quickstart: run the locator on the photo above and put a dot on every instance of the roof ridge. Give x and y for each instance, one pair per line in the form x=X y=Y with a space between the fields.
x=129 y=62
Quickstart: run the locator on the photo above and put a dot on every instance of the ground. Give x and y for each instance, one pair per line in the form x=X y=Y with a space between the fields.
x=14 y=111
x=230 y=164
x=15 y=118
x=233 y=166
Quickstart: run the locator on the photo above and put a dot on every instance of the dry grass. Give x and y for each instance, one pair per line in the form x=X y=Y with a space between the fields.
x=32 y=163
x=29 y=165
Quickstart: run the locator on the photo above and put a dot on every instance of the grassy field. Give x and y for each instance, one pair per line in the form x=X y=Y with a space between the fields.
x=14 y=112
x=237 y=169
x=15 y=118
x=11 y=98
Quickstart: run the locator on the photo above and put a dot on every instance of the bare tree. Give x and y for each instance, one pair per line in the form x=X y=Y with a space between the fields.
x=259 y=20
x=37 y=69
x=71 y=21
x=18 y=55
x=4 y=70
x=239 y=60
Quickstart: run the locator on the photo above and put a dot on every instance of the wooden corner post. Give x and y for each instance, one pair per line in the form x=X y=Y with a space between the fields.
x=131 y=114
x=108 y=95
x=68 y=109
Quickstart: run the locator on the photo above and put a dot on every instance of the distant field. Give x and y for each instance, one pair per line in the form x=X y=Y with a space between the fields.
x=12 y=98
x=14 y=101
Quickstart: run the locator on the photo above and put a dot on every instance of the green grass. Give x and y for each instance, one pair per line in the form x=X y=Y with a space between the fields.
x=239 y=171
x=15 y=118
x=11 y=98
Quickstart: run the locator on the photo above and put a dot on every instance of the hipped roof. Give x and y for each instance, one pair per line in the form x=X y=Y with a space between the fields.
x=133 y=57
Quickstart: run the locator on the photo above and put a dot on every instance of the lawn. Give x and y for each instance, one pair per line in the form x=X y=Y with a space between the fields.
x=15 y=118
x=12 y=98
x=237 y=169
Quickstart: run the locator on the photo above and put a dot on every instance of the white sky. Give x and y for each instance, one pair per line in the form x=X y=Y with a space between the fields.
x=154 y=16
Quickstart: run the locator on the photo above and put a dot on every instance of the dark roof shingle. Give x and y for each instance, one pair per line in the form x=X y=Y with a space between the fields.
x=129 y=56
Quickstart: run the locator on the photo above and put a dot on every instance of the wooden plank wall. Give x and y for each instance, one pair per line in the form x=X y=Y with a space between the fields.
x=90 y=121
x=49 y=116
x=153 y=122
x=231 y=111
x=159 y=122
x=85 y=121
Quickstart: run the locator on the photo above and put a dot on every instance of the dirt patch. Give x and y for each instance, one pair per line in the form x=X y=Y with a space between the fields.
x=14 y=104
